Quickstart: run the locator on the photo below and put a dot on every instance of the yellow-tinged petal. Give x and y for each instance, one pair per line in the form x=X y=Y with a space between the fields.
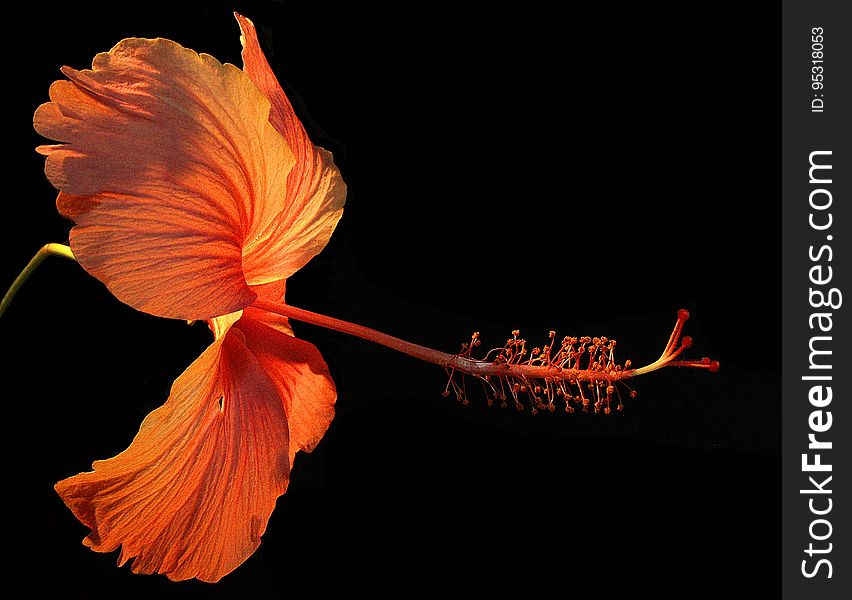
x=316 y=192
x=170 y=168
x=192 y=494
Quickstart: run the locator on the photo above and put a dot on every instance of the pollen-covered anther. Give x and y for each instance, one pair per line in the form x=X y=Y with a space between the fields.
x=585 y=365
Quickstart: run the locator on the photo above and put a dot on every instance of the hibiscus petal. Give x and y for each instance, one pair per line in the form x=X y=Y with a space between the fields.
x=170 y=168
x=293 y=363
x=269 y=337
x=316 y=192
x=192 y=494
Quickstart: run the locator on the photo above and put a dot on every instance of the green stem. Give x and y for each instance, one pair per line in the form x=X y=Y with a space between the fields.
x=44 y=252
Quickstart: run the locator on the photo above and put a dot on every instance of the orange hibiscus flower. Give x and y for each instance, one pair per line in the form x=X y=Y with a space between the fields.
x=195 y=193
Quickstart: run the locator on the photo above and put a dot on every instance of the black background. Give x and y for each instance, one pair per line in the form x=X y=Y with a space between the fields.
x=507 y=169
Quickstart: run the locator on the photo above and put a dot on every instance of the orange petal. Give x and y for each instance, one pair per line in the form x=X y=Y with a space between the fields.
x=292 y=363
x=170 y=168
x=316 y=192
x=192 y=494
x=308 y=414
